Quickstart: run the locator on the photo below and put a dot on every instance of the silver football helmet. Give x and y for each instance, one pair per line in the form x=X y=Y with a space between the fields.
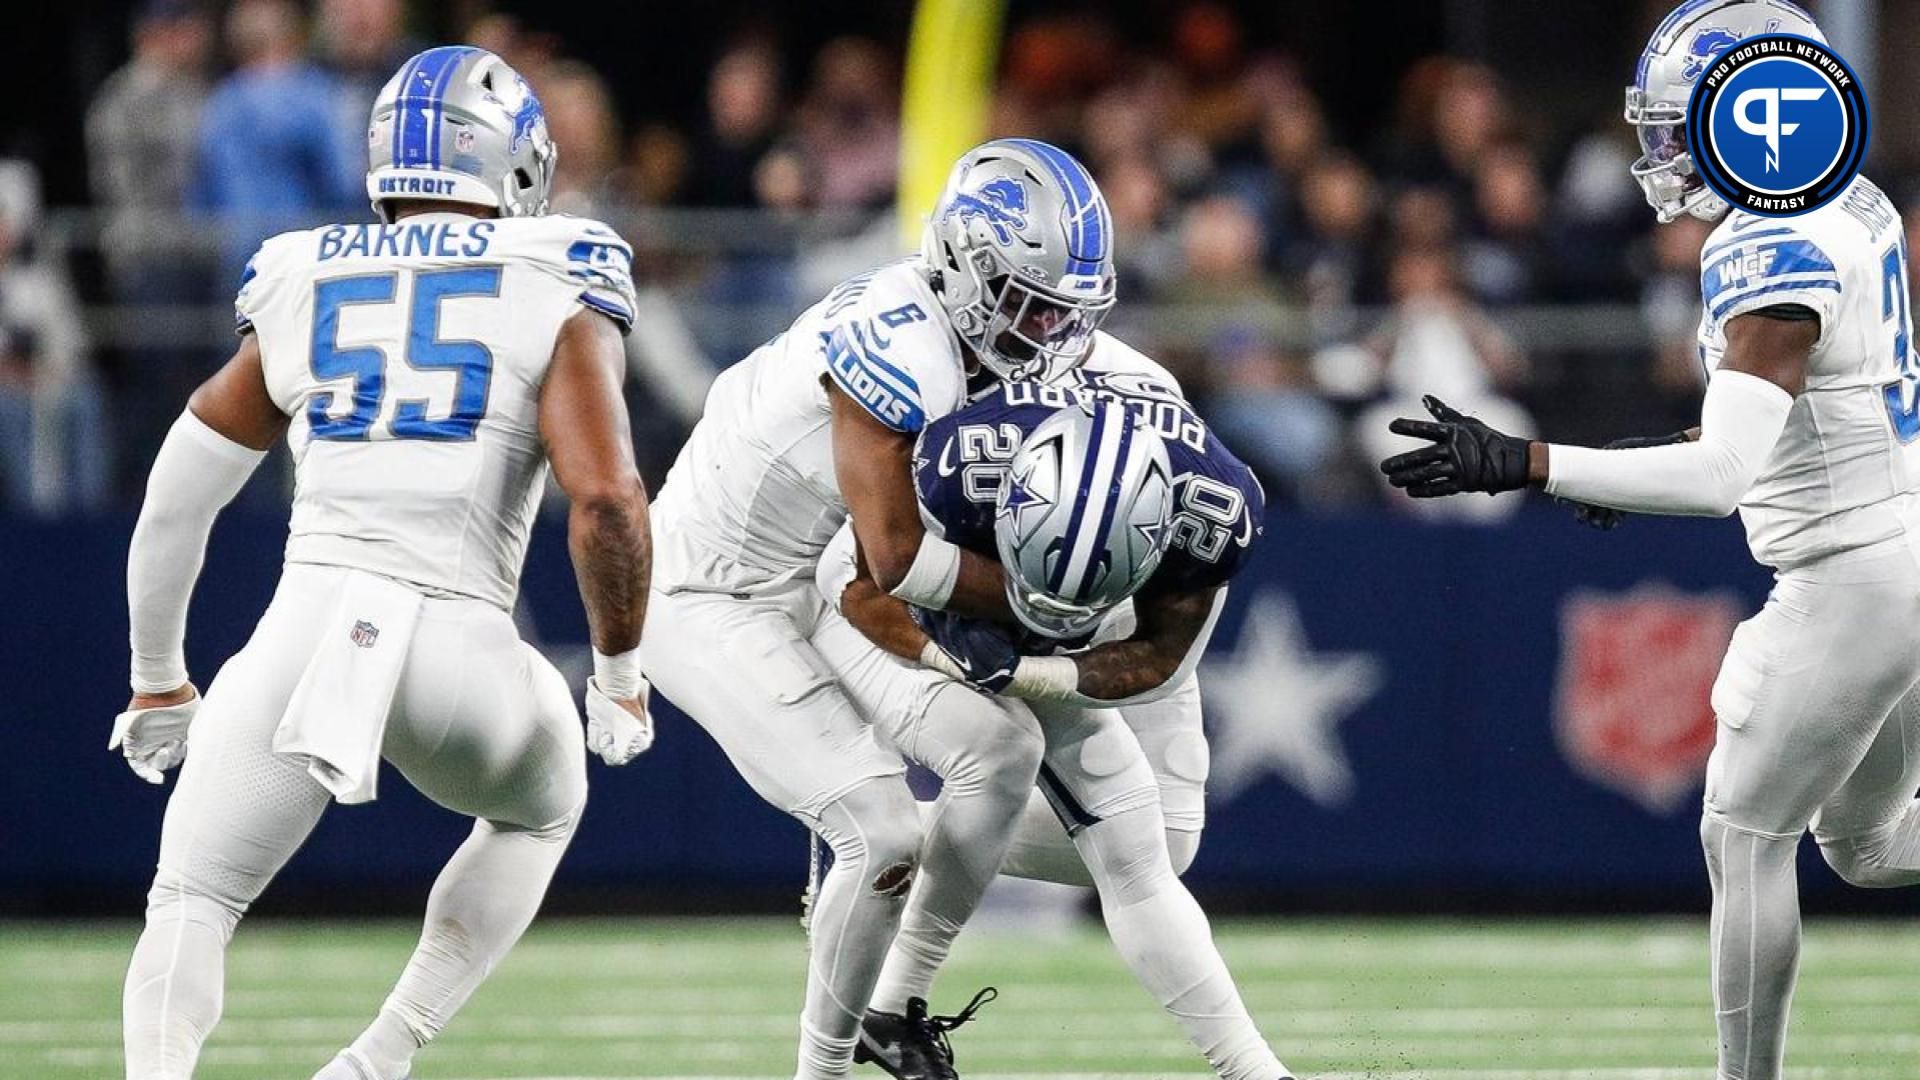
x=456 y=124
x=1683 y=47
x=1020 y=249
x=1082 y=517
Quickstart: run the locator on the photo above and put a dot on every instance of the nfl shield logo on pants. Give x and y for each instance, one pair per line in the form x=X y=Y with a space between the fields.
x=1632 y=710
x=364 y=633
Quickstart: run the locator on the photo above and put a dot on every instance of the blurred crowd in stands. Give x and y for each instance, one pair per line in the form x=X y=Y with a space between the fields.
x=1305 y=283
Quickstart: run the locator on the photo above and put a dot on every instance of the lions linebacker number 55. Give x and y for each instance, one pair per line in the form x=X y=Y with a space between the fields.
x=366 y=365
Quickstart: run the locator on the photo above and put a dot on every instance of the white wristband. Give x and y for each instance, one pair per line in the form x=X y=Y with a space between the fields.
x=161 y=677
x=1045 y=678
x=619 y=675
x=935 y=571
x=935 y=657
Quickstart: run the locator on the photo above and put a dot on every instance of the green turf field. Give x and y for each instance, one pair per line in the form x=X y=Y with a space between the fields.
x=1478 y=1001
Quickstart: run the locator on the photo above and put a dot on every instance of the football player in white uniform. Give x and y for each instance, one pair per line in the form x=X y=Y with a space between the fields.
x=426 y=371
x=813 y=427
x=1125 y=760
x=818 y=426
x=1809 y=431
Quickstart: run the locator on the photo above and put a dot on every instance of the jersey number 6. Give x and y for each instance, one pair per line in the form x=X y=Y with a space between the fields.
x=366 y=365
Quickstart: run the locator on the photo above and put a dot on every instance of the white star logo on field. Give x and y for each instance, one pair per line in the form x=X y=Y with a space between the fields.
x=1273 y=705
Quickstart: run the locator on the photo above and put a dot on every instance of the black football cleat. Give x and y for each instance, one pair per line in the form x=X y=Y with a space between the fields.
x=914 y=1046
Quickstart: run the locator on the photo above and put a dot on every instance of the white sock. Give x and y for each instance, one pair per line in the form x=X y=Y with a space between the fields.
x=480 y=905
x=1163 y=937
x=824 y=1055
x=175 y=981
x=987 y=761
x=1755 y=945
x=874 y=832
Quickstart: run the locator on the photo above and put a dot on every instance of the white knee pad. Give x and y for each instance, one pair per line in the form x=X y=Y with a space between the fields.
x=174 y=897
x=1094 y=767
x=974 y=741
x=875 y=829
x=1172 y=736
x=1182 y=767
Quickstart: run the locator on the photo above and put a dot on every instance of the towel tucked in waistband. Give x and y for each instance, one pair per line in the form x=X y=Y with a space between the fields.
x=338 y=715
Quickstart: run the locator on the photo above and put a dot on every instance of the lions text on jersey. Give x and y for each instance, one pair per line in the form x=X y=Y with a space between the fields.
x=961 y=461
x=754 y=498
x=1844 y=470
x=411 y=357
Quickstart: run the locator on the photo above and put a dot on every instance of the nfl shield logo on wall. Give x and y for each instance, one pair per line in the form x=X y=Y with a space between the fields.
x=1636 y=672
x=364 y=633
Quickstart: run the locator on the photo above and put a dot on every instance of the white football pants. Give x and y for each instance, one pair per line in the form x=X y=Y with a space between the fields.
x=480 y=723
x=750 y=670
x=1819 y=727
x=1105 y=796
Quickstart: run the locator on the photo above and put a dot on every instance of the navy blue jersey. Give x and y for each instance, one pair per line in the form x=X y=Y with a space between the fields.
x=961 y=461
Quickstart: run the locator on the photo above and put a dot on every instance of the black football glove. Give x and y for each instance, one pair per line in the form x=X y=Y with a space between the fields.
x=1605 y=518
x=1466 y=455
x=983 y=653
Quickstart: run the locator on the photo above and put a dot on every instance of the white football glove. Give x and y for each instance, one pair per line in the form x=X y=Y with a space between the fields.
x=614 y=733
x=154 y=740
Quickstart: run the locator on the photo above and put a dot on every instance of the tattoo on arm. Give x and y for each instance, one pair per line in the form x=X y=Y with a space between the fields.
x=613 y=558
x=589 y=441
x=1169 y=623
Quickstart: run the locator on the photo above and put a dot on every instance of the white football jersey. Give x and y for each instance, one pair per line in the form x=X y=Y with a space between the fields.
x=1121 y=364
x=410 y=357
x=753 y=498
x=1844 y=472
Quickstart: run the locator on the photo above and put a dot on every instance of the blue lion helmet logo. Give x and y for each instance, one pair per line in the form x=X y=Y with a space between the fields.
x=1707 y=44
x=527 y=112
x=1001 y=203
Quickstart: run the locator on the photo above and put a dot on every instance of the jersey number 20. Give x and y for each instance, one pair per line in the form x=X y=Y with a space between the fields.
x=366 y=365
